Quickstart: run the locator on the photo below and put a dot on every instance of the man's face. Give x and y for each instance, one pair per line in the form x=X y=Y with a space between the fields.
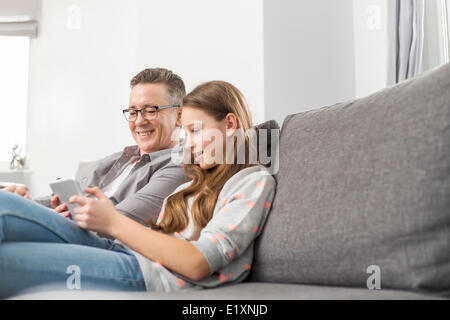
x=152 y=135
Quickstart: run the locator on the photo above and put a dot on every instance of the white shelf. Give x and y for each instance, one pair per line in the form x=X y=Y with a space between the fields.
x=15 y=176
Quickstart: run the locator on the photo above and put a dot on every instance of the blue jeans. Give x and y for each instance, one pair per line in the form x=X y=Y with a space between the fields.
x=39 y=247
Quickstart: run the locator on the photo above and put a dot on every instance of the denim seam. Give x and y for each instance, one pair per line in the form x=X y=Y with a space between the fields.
x=118 y=279
x=5 y=227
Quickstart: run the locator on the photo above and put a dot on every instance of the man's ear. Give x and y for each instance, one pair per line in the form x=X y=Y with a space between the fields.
x=178 y=123
x=231 y=124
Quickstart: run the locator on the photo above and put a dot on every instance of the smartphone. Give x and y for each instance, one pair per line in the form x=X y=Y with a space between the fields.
x=65 y=188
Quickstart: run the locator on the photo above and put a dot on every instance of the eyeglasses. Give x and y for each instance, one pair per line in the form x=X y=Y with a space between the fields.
x=148 y=113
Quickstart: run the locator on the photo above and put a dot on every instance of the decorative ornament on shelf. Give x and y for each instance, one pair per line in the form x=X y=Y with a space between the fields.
x=17 y=162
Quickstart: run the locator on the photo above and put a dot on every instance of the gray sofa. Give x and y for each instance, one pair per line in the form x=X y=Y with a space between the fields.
x=362 y=209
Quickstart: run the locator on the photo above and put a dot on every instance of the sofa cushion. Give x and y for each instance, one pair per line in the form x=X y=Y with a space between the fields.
x=242 y=291
x=363 y=194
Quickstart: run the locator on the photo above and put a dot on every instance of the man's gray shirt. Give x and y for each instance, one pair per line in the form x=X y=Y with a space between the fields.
x=141 y=195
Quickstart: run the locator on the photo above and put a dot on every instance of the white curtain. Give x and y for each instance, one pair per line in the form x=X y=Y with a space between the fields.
x=405 y=36
x=19 y=17
x=445 y=16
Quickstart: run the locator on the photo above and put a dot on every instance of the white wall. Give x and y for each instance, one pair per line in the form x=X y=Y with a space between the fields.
x=205 y=40
x=308 y=55
x=80 y=69
x=371 y=46
x=79 y=75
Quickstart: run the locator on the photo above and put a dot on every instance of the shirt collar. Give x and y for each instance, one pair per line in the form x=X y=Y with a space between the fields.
x=160 y=153
x=134 y=151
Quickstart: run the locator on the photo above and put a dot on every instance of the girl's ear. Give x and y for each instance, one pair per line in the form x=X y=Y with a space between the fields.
x=231 y=124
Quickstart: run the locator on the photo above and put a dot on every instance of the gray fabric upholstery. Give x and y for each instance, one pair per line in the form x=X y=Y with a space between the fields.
x=364 y=183
x=243 y=291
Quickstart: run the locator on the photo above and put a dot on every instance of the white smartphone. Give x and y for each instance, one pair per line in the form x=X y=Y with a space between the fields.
x=65 y=188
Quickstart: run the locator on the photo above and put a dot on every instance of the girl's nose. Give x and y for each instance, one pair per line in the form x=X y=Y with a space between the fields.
x=189 y=142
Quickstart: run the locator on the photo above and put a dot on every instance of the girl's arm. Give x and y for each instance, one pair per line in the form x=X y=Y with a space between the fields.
x=177 y=255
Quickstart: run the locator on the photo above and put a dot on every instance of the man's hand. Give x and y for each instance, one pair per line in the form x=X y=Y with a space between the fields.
x=19 y=190
x=60 y=208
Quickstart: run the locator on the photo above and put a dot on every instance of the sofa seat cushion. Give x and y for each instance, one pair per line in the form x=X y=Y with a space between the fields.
x=243 y=291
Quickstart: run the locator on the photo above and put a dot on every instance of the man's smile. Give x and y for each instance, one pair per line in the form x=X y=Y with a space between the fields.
x=144 y=133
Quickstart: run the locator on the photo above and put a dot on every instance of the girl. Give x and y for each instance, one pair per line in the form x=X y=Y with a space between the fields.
x=204 y=235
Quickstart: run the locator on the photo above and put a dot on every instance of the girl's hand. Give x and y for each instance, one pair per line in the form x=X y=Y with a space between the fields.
x=95 y=214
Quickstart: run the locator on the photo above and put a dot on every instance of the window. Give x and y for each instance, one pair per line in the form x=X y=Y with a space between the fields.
x=14 y=56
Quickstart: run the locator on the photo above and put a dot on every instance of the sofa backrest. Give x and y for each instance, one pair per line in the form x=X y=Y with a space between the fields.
x=363 y=196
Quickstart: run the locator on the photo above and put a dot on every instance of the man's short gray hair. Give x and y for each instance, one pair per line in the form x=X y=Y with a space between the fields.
x=174 y=83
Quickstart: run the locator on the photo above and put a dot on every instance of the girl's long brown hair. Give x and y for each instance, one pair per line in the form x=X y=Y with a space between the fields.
x=216 y=98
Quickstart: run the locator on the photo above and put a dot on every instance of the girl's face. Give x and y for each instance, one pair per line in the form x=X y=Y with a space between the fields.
x=205 y=135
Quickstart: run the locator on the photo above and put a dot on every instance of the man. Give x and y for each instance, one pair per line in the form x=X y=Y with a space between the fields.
x=139 y=178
